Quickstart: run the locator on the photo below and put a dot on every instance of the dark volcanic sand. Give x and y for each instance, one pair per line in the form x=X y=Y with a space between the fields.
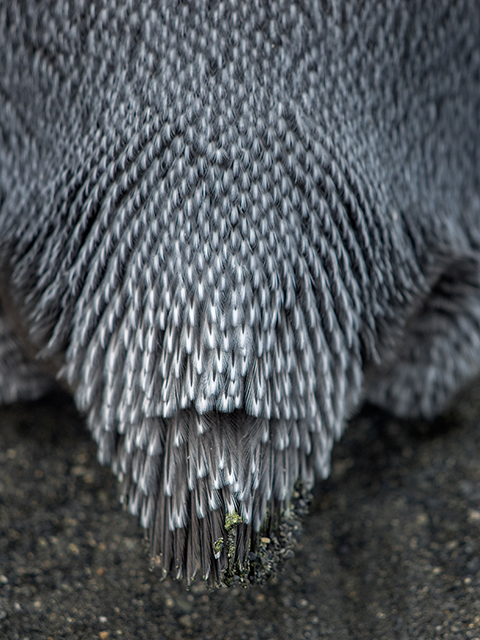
x=391 y=548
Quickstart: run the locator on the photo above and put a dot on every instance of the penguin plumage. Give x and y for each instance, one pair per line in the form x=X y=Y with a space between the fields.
x=225 y=224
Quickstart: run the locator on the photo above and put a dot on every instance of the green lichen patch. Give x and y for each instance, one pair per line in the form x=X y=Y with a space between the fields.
x=218 y=548
x=236 y=570
x=232 y=520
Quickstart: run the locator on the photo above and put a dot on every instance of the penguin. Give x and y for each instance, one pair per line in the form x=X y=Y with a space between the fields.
x=224 y=225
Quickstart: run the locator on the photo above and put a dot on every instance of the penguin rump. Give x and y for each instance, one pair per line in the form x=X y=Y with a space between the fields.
x=222 y=226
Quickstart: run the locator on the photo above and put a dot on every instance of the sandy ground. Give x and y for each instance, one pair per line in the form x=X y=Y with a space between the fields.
x=391 y=548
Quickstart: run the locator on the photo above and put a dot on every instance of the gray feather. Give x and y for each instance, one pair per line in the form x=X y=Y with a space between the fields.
x=222 y=225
